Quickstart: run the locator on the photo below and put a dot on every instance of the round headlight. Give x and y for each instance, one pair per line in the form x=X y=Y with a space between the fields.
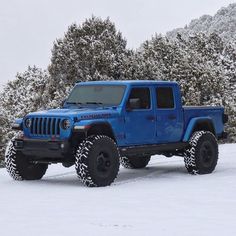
x=65 y=124
x=28 y=123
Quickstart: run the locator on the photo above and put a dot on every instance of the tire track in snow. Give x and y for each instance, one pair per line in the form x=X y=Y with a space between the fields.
x=144 y=176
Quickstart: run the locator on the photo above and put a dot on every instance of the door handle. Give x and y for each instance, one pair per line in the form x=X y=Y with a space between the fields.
x=151 y=118
x=172 y=117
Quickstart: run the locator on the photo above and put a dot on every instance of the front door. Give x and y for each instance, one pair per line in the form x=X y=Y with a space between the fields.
x=140 y=120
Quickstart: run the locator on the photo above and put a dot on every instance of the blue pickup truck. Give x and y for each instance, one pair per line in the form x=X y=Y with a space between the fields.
x=103 y=124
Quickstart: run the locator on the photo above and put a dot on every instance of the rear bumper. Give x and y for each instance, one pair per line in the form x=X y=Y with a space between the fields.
x=40 y=149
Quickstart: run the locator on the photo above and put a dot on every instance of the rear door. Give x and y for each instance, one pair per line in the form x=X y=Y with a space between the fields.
x=169 y=115
x=140 y=122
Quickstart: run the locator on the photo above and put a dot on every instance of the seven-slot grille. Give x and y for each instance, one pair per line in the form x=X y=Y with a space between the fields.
x=45 y=126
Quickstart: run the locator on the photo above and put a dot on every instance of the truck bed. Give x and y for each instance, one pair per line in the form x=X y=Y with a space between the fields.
x=214 y=113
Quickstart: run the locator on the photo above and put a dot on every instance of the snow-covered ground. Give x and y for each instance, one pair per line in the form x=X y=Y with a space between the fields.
x=159 y=200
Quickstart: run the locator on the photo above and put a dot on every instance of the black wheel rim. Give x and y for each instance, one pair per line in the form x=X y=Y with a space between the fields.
x=103 y=162
x=207 y=154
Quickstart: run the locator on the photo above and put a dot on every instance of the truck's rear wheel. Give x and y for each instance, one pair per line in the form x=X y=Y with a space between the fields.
x=19 y=167
x=202 y=155
x=97 y=161
x=135 y=162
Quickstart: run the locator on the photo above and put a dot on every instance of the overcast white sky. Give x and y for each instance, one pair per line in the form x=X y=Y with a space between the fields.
x=29 y=27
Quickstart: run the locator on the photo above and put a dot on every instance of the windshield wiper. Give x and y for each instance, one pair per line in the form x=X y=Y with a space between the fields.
x=74 y=103
x=86 y=103
x=95 y=103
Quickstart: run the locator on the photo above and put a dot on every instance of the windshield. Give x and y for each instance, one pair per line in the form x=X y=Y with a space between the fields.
x=97 y=94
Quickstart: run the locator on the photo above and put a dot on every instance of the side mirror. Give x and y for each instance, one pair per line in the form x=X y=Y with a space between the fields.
x=133 y=103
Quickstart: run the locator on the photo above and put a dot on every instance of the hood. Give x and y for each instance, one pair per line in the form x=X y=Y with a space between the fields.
x=78 y=113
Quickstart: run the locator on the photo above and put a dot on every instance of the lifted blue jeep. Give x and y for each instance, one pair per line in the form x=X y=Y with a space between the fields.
x=103 y=124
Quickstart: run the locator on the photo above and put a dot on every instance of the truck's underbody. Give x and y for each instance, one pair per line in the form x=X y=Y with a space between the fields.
x=44 y=151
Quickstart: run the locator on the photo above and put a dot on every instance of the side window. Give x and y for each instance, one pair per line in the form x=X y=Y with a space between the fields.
x=139 y=98
x=165 y=98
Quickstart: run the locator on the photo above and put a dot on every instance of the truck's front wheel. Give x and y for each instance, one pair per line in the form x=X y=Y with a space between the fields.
x=97 y=161
x=19 y=167
x=135 y=162
x=202 y=155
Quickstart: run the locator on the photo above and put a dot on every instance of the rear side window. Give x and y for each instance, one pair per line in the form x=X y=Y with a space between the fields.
x=165 y=98
x=143 y=95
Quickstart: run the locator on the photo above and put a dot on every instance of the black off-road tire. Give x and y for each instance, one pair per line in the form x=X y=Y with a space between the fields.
x=20 y=168
x=135 y=162
x=202 y=155
x=97 y=161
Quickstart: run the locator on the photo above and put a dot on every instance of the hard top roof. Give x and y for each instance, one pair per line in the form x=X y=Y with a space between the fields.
x=128 y=82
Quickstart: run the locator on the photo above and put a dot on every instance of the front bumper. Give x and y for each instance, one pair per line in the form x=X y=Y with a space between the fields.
x=39 y=149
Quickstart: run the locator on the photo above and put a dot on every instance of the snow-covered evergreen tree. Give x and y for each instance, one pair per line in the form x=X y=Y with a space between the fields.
x=24 y=94
x=91 y=51
x=162 y=59
x=222 y=23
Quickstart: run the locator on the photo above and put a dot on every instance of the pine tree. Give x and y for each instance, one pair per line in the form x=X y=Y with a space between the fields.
x=88 y=52
x=223 y=23
x=23 y=95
